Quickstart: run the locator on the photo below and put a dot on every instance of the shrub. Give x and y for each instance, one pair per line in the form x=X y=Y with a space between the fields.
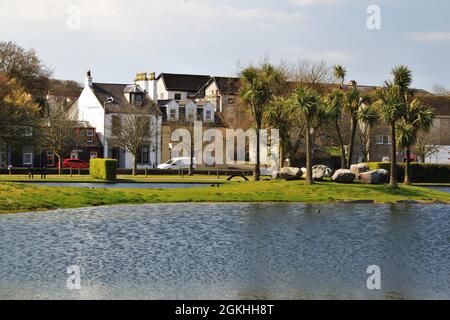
x=105 y=169
x=420 y=172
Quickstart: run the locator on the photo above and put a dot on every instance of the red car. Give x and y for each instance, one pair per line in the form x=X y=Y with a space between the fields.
x=75 y=164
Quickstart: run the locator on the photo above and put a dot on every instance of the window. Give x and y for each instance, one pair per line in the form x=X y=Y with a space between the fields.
x=381 y=139
x=136 y=99
x=50 y=158
x=2 y=158
x=28 y=132
x=173 y=114
x=90 y=135
x=177 y=96
x=116 y=125
x=161 y=96
x=93 y=154
x=144 y=155
x=208 y=115
x=82 y=134
x=28 y=156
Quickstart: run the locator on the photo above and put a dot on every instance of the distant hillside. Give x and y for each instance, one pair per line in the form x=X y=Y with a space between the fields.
x=65 y=88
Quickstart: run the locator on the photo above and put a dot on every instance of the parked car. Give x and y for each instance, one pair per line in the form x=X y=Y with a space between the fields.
x=75 y=164
x=178 y=163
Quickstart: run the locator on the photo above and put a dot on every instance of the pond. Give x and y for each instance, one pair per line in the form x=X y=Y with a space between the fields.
x=132 y=185
x=444 y=189
x=228 y=251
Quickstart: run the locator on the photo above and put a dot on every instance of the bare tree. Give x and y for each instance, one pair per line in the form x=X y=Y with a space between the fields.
x=136 y=131
x=440 y=90
x=57 y=133
x=313 y=73
x=426 y=144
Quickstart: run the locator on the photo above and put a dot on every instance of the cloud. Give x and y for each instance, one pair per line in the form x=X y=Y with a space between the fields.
x=431 y=36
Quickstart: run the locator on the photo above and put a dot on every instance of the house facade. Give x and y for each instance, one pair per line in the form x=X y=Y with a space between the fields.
x=106 y=106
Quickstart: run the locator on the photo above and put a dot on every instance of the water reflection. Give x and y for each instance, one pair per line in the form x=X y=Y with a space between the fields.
x=234 y=251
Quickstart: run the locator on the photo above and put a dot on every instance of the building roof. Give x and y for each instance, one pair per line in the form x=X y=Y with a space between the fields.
x=441 y=104
x=112 y=97
x=184 y=82
x=228 y=85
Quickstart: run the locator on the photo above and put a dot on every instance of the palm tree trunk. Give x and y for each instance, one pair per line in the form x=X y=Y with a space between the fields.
x=309 y=173
x=393 y=180
x=341 y=142
x=352 y=143
x=256 y=171
x=407 y=180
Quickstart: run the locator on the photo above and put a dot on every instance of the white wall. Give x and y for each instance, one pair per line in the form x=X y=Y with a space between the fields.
x=90 y=109
x=442 y=157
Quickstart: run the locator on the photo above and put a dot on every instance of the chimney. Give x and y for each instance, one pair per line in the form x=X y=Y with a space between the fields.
x=88 y=79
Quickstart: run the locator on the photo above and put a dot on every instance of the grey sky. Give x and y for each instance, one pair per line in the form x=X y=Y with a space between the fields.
x=119 y=38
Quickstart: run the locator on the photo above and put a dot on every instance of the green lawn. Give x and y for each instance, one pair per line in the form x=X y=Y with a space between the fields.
x=19 y=197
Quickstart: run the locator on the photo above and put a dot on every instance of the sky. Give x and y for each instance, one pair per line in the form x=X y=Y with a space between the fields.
x=117 y=39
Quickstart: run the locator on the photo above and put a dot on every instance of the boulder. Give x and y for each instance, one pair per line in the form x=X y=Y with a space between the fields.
x=276 y=175
x=321 y=171
x=304 y=172
x=359 y=168
x=343 y=176
x=371 y=177
x=291 y=173
x=384 y=175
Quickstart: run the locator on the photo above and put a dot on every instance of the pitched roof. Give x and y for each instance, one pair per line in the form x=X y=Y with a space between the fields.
x=228 y=85
x=111 y=96
x=184 y=82
x=441 y=104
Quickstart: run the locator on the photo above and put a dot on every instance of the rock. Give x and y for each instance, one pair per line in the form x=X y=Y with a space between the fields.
x=359 y=168
x=371 y=177
x=304 y=172
x=343 y=176
x=321 y=171
x=276 y=175
x=291 y=173
x=384 y=175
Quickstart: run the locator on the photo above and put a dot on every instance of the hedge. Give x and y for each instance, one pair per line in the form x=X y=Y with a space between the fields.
x=420 y=172
x=105 y=169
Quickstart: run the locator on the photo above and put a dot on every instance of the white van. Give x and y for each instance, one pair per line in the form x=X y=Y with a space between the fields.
x=178 y=163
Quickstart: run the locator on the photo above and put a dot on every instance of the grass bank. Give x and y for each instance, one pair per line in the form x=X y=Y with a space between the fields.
x=19 y=197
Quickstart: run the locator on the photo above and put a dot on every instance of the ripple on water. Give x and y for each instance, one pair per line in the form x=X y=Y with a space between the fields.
x=228 y=251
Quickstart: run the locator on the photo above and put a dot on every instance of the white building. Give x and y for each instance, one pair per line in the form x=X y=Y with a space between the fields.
x=104 y=106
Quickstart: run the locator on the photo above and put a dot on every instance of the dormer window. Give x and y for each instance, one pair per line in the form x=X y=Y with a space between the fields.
x=136 y=99
x=177 y=96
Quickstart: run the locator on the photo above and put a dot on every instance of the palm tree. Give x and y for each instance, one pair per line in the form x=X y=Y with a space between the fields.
x=390 y=106
x=367 y=117
x=306 y=101
x=403 y=79
x=417 y=117
x=279 y=116
x=340 y=73
x=335 y=104
x=258 y=87
x=352 y=105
